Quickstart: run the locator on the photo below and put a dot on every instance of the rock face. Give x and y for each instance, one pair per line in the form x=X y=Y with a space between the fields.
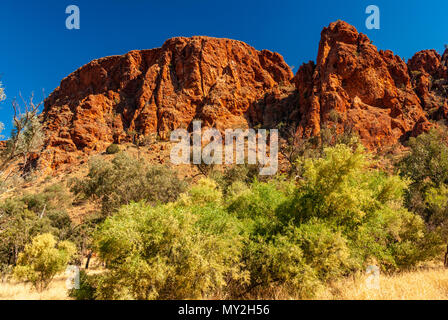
x=354 y=84
x=429 y=73
x=225 y=83
x=228 y=84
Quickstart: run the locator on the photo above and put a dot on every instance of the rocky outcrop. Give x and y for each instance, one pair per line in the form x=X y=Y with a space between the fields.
x=228 y=84
x=429 y=74
x=354 y=84
x=225 y=83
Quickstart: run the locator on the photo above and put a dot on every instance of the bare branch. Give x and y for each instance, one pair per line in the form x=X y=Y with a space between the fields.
x=26 y=129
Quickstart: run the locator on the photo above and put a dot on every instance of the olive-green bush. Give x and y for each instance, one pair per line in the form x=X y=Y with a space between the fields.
x=125 y=180
x=113 y=149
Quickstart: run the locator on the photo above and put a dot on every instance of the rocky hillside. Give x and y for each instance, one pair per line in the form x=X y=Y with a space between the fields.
x=228 y=84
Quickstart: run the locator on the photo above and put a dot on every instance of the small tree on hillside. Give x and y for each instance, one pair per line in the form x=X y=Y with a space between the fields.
x=42 y=260
x=26 y=136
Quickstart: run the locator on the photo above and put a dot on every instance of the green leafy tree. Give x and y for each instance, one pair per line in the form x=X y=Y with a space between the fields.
x=42 y=260
x=24 y=217
x=426 y=166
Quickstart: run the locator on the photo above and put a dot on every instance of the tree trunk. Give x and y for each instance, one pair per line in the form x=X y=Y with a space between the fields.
x=446 y=257
x=89 y=256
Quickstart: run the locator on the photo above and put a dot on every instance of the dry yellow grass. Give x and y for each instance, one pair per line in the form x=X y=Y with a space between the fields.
x=425 y=284
x=12 y=290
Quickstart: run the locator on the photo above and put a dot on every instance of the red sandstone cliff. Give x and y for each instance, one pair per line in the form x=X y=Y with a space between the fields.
x=228 y=84
x=354 y=84
x=429 y=73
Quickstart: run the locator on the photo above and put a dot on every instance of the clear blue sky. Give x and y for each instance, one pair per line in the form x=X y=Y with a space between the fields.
x=37 y=51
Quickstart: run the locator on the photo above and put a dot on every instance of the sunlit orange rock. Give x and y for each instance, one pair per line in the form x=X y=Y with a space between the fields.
x=352 y=84
x=225 y=83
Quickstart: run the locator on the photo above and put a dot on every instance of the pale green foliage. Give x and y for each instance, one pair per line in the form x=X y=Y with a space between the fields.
x=426 y=165
x=325 y=250
x=42 y=260
x=205 y=192
x=331 y=185
x=168 y=252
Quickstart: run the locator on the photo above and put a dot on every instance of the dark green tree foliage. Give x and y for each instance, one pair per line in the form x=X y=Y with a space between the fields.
x=426 y=166
x=25 y=217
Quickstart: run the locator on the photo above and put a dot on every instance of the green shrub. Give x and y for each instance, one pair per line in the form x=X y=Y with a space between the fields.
x=168 y=252
x=257 y=205
x=324 y=250
x=278 y=262
x=42 y=260
x=125 y=180
x=365 y=205
x=87 y=287
x=113 y=149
